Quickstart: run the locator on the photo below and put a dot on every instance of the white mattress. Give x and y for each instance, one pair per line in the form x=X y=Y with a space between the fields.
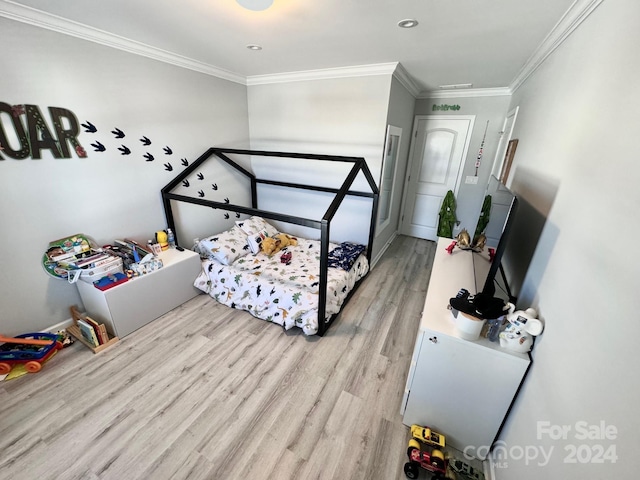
x=286 y=294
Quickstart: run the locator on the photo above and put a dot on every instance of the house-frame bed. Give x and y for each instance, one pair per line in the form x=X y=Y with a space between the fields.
x=358 y=166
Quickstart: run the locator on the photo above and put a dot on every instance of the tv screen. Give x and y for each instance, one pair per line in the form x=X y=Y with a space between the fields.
x=503 y=205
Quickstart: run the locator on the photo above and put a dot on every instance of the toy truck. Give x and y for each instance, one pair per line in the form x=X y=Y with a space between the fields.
x=427 y=436
x=425 y=457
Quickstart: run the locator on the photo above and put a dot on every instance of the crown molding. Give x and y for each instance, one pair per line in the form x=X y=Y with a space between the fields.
x=38 y=18
x=406 y=80
x=573 y=17
x=324 y=74
x=467 y=92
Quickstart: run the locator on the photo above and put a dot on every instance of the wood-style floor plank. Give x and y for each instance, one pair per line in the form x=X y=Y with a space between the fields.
x=208 y=392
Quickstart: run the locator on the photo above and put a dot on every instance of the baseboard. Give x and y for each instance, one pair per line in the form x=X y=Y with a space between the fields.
x=384 y=249
x=59 y=326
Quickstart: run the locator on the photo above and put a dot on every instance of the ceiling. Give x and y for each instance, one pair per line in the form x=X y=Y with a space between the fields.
x=482 y=42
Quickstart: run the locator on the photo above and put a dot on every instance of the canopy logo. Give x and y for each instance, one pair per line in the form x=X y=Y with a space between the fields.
x=24 y=132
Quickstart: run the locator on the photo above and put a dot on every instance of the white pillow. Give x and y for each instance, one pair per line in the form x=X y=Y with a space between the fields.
x=254 y=225
x=227 y=246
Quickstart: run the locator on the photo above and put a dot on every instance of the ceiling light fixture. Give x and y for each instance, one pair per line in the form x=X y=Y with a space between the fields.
x=408 y=23
x=254 y=47
x=255 y=5
x=456 y=86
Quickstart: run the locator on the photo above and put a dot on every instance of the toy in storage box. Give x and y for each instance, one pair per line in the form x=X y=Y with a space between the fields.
x=109 y=266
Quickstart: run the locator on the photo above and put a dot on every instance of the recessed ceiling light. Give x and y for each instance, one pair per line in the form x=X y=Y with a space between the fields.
x=455 y=86
x=408 y=23
x=256 y=5
x=254 y=47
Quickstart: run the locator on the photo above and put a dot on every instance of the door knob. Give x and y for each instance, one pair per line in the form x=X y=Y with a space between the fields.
x=433 y=339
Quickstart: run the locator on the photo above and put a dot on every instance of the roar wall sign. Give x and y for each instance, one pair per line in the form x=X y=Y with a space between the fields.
x=24 y=132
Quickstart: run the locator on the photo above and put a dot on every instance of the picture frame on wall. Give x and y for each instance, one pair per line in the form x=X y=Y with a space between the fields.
x=508 y=159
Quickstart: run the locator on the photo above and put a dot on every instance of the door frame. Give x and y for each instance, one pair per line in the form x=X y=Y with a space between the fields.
x=414 y=135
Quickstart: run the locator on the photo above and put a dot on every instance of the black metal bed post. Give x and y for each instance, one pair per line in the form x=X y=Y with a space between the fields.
x=322 y=287
x=374 y=207
x=324 y=244
x=168 y=213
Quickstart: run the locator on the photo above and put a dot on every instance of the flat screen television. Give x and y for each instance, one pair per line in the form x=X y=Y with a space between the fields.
x=504 y=204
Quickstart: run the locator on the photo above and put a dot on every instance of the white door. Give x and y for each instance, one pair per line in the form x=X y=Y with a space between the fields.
x=439 y=147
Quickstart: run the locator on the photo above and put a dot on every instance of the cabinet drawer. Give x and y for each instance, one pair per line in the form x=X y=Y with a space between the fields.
x=461 y=389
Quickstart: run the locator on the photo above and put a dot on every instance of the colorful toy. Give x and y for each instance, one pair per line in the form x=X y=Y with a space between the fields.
x=428 y=436
x=451 y=246
x=425 y=457
x=31 y=349
x=286 y=257
x=162 y=239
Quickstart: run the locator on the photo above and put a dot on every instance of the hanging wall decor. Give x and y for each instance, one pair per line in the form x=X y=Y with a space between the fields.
x=444 y=107
x=24 y=133
x=480 y=152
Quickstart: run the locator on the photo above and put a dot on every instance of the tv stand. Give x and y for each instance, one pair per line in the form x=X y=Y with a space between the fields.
x=458 y=387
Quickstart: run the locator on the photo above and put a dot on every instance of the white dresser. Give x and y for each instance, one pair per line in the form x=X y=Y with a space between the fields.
x=462 y=389
x=130 y=305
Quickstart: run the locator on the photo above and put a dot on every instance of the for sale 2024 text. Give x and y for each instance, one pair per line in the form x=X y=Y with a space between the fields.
x=582 y=431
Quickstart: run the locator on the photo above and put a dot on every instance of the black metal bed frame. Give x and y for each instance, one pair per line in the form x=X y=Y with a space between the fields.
x=359 y=165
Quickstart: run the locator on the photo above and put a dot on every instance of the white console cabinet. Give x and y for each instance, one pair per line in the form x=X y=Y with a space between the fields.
x=462 y=389
x=130 y=305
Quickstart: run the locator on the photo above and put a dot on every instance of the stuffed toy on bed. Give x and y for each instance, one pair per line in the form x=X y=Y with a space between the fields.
x=271 y=245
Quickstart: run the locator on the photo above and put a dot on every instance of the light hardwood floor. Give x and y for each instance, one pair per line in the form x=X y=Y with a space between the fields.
x=207 y=392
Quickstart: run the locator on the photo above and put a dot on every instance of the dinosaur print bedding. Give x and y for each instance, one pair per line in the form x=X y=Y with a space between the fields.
x=283 y=293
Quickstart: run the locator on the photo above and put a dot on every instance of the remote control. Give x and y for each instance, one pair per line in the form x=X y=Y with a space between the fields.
x=179 y=248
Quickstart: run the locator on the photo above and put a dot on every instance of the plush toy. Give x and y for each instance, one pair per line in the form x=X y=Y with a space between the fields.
x=162 y=239
x=523 y=326
x=271 y=245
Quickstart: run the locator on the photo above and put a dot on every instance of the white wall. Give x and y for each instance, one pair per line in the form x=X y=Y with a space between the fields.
x=342 y=116
x=577 y=166
x=492 y=109
x=401 y=106
x=106 y=195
